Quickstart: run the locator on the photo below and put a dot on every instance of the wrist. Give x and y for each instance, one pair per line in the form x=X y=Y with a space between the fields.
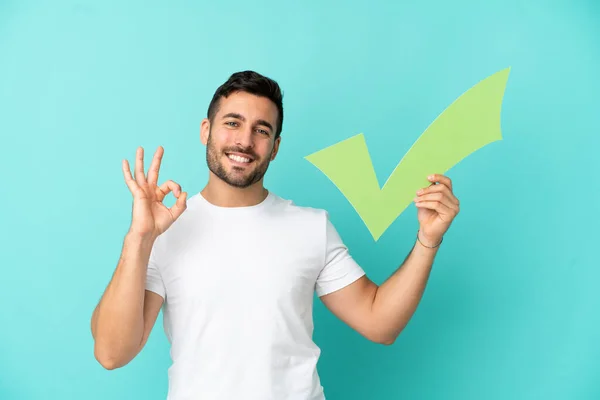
x=428 y=242
x=139 y=240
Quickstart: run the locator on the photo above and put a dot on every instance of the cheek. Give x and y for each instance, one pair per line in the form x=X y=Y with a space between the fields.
x=218 y=140
x=265 y=151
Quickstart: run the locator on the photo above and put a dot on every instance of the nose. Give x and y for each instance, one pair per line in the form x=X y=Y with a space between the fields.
x=244 y=137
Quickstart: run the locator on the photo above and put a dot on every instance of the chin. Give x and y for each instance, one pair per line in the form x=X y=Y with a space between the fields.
x=239 y=183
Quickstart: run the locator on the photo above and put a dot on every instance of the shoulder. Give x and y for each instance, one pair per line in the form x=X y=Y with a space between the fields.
x=310 y=219
x=289 y=208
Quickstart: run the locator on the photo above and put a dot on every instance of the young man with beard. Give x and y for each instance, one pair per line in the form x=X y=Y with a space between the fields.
x=235 y=267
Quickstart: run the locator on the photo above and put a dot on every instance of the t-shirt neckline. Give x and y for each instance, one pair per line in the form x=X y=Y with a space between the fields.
x=240 y=209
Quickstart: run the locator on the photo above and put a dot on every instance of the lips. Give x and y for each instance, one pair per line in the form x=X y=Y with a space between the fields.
x=239 y=158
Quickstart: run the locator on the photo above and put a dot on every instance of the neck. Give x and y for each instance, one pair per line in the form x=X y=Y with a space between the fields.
x=222 y=194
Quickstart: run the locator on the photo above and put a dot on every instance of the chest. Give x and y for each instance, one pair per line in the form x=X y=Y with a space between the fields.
x=243 y=268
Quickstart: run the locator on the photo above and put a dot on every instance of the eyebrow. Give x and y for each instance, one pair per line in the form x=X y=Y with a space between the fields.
x=241 y=117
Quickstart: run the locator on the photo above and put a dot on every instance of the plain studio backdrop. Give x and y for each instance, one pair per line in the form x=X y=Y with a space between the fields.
x=511 y=309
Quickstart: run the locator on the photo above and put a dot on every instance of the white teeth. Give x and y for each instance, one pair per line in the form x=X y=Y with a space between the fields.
x=238 y=158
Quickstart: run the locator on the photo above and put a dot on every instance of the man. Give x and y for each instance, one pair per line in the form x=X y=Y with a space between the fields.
x=236 y=267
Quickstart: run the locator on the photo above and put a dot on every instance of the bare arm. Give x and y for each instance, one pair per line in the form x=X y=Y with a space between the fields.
x=124 y=317
x=381 y=312
x=126 y=313
x=396 y=300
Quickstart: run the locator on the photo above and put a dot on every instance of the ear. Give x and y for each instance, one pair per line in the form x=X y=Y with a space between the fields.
x=204 y=131
x=275 y=148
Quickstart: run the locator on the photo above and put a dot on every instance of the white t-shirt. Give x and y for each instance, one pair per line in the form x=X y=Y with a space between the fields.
x=239 y=284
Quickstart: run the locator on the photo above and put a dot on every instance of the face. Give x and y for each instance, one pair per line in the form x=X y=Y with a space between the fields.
x=240 y=141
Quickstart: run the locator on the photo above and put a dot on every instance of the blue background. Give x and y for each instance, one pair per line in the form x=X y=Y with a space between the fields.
x=511 y=309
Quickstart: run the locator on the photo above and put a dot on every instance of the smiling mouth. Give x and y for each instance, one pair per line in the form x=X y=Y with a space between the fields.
x=239 y=159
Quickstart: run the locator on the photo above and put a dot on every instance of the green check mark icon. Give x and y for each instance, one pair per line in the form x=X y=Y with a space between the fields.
x=471 y=122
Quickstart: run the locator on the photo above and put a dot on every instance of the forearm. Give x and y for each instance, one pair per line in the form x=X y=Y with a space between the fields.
x=396 y=300
x=118 y=320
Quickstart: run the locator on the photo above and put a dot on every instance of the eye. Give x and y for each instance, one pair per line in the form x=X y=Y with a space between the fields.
x=231 y=123
x=262 y=131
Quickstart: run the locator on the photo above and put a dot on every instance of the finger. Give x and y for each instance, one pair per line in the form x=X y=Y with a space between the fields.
x=439 y=197
x=166 y=188
x=155 y=166
x=443 y=179
x=439 y=189
x=441 y=209
x=179 y=206
x=131 y=183
x=139 y=166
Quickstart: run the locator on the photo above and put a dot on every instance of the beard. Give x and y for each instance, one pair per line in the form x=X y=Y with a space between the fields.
x=239 y=177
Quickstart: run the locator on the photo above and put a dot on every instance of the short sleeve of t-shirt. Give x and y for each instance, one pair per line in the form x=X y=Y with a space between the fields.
x=154 y=282
x=340 y=268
